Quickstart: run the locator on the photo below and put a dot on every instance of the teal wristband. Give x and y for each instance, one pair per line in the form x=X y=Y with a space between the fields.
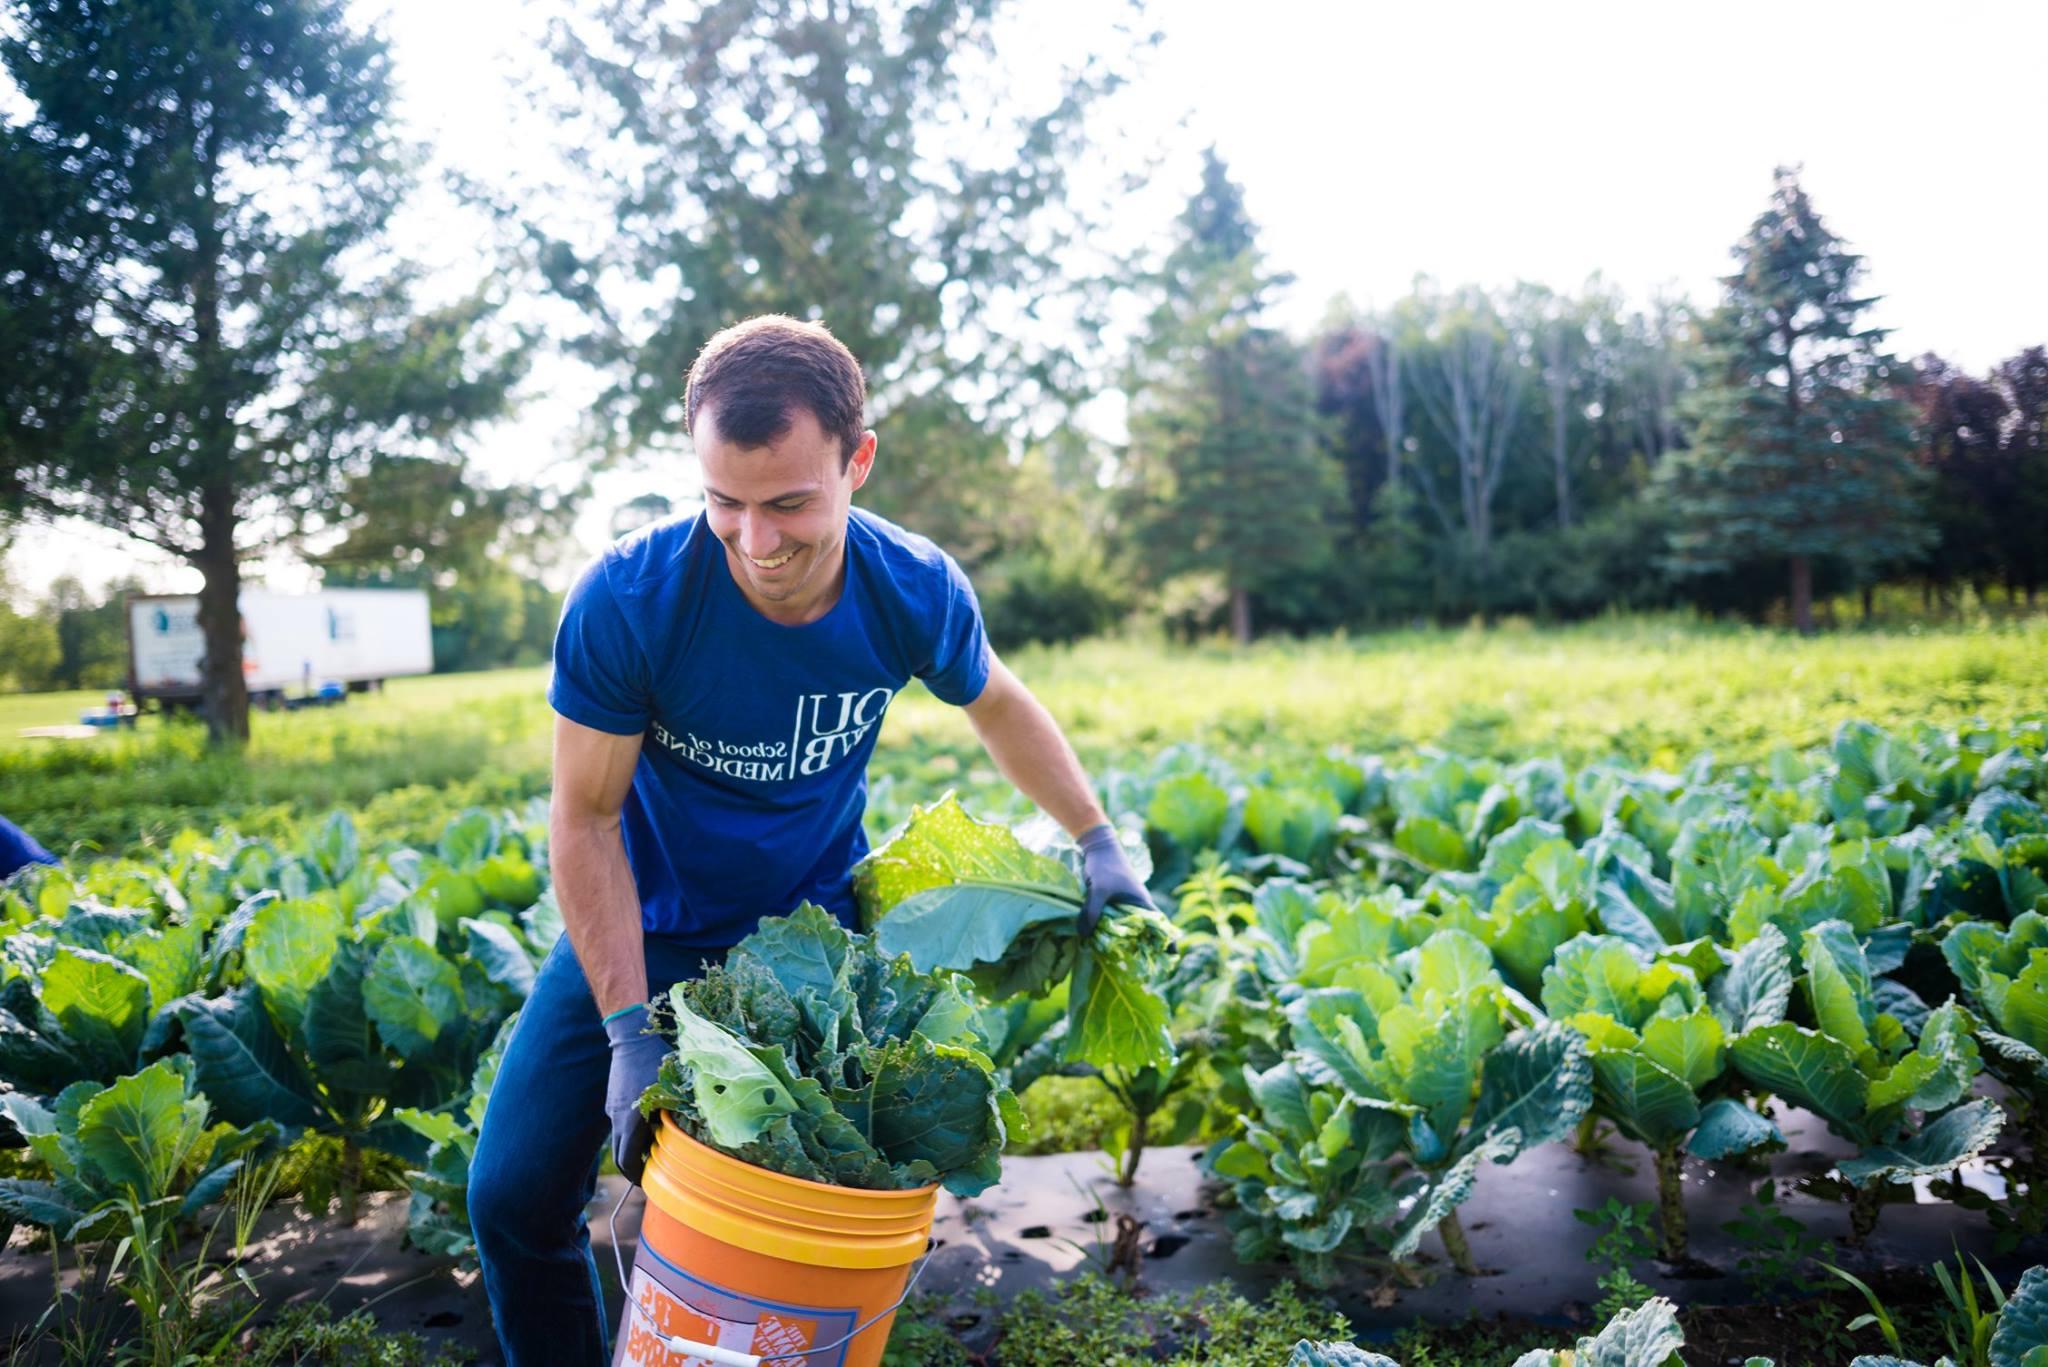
x=636 y=1006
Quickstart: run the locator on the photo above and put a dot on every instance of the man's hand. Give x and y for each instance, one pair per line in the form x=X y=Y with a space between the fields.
x=636 y=1058
x=1107 y=877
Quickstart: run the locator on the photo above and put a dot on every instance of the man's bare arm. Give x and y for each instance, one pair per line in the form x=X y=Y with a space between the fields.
x=1028 y=746
x=587 y=861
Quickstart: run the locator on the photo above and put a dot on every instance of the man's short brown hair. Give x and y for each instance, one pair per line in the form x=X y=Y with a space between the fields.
x=759 y=372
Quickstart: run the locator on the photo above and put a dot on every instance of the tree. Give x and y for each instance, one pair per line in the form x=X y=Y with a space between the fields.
x=92 y=640
x=2023 y=379
x=864 y=165
x=1963 y=419
x=204 y=334
x=1471 y=381
x=1803 y=446
x=1224 y=471
x=28 y=642
x=480 y=551
x=1357 y=370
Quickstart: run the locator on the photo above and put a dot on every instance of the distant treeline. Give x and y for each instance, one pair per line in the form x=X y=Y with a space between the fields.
x=1525 y=451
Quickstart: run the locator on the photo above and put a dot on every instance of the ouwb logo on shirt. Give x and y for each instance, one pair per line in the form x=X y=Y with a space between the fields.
x=828 y=727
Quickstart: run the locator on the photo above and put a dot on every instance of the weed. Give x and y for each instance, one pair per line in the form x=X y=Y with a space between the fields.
x=1776 y=1247
x=1628 y=1235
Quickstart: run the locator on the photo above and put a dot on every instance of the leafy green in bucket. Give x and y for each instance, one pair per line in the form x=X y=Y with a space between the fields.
x=811 y=1054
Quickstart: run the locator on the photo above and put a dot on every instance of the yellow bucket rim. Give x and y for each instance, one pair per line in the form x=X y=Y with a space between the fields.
x=781 y=1216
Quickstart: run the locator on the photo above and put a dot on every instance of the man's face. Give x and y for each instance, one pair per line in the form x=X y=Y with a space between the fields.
x=780 y=511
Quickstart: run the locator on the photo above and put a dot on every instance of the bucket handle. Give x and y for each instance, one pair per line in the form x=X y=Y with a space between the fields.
x=729 y=1357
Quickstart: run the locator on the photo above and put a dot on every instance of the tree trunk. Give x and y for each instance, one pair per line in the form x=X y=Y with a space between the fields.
x=1927 y=595
x=224 y=692
x=1456 y=1245
x=1241 y=615
x=1802 y=594
x=1586 y=1142
x=1672 y=1241
x=1869 y=603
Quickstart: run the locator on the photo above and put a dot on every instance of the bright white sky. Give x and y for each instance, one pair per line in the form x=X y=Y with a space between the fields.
x=1471 y=142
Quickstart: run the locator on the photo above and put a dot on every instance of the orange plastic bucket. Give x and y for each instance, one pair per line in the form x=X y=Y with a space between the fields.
x=748 y=1264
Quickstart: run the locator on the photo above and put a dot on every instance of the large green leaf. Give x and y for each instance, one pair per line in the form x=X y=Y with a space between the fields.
x=1435 y=1048
x=1539 y=1082
x=1452 y=1187
x=340 y=1039
x=412 y=993
x=931 y=1104
x=1308 y=1353
x=102 y=1003
x=1432 y=843
x=1727 y=1127
x=1942 y=1144
x=1946 y=1039
x=1114 y=1017
x=1295 y=822
x=964 y=924
x=498 y=952
x=1346 y=934
x=1189 y=809
x=169 y=958
x=1647 y=1336
x=1838 y=984
x=940 y=845
x=1757 y=987
x=1452 y=963
x=1331 y=1027
x=286 y=951
x=42 y=1204
x=1647 y=1101
x=738 y=1096
x=243 y=1066
x=334 y=847
x=2023 y=1324
x=1806 y=1068
x=1690 y=1047
x=140 y=1129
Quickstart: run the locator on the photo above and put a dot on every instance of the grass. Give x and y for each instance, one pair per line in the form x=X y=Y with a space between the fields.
x=1646 y=690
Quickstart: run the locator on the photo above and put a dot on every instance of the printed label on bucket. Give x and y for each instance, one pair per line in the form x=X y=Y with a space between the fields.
x=668 y=1301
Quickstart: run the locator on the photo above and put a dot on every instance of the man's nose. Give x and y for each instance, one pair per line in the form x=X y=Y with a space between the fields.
x=758 y=535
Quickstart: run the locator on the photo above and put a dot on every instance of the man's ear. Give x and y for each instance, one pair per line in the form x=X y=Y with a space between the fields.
x=863 y=462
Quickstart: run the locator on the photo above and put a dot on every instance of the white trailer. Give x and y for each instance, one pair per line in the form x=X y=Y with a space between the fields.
x=292 y=644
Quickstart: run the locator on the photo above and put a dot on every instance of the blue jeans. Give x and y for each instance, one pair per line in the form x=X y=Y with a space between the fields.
x=536 y=1163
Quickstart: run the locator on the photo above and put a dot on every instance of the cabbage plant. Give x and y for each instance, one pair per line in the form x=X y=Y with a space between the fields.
x=1865 y=1074
x=1659 y=1051
x=1425 y=1037
x=1314 y=1172
x=339 y=1022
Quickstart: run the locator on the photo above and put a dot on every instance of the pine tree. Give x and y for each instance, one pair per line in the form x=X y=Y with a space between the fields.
x=204 y=339
x=1803 y=445
x=1225 y=475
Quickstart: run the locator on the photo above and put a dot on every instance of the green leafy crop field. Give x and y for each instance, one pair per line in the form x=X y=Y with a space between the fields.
x=1646 y=691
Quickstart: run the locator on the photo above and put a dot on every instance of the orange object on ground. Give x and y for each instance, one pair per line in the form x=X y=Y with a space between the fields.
x=759 y=1263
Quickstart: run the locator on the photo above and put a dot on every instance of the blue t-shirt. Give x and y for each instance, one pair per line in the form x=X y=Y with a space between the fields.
x=752 y=777
x=19 y=849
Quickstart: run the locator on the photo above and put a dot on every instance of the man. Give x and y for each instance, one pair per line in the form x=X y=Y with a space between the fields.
x=19 y=849
x=719 y=682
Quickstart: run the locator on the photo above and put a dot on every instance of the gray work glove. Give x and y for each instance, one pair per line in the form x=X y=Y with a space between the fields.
x=1107 y=877
x=636 y=1058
